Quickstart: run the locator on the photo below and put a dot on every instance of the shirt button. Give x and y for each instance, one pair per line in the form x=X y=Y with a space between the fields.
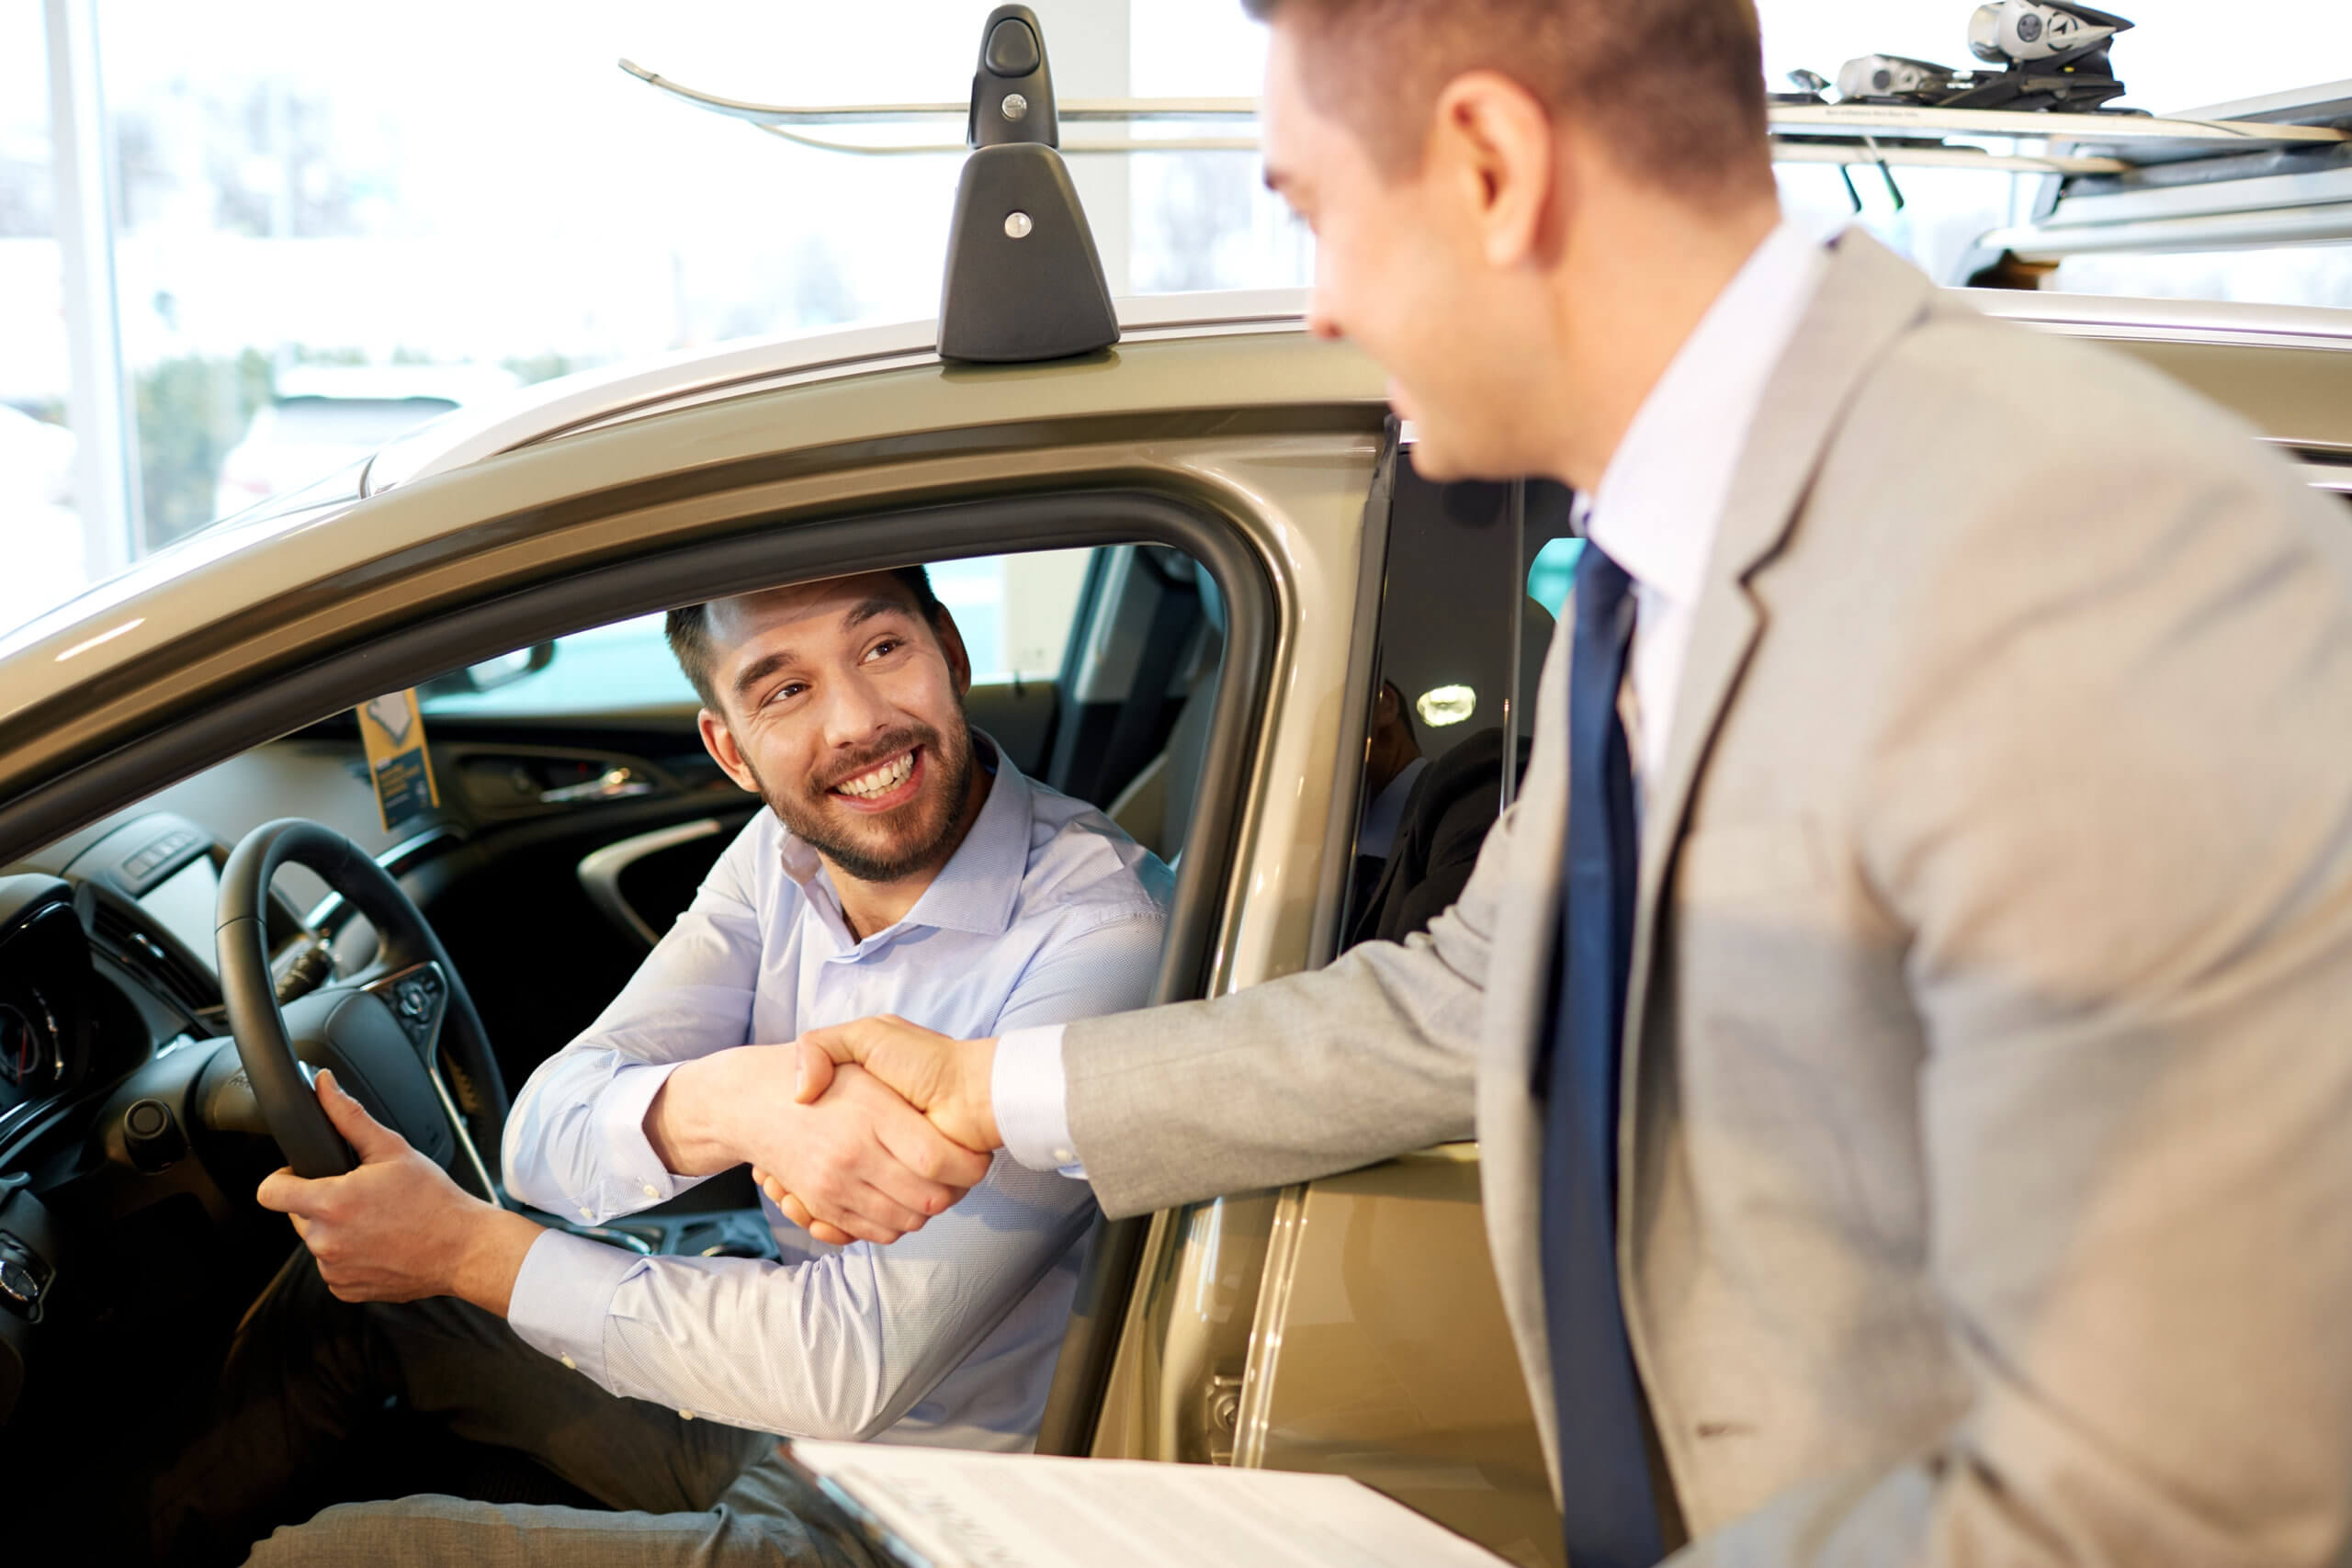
x=651 y=1190
x=570 y=1365
x=685 y=1414
x=586 y=1213
x=1066 y=1156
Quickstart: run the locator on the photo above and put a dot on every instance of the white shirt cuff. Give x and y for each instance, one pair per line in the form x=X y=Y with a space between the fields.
x=636 y=1179
x=563 y=1294
x=1032 y=1102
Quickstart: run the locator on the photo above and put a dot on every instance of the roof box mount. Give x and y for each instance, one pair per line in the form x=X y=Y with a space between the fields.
x=1023 y=281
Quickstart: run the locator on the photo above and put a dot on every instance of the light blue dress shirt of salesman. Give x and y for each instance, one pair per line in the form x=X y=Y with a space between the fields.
x=1046 y=913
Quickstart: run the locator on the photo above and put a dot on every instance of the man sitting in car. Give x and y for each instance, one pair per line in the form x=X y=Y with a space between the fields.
x=904 y=866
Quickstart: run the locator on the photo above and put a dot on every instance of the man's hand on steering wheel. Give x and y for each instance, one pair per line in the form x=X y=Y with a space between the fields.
x=396 y=1227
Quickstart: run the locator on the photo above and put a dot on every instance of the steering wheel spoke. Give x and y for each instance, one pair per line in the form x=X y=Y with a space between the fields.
x=419 y=998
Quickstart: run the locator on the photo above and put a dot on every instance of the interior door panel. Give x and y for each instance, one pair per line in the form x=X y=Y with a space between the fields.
x=1380 y=1350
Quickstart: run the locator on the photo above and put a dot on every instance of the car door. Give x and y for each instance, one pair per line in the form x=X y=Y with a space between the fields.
x=252 y=639
x=1352 y=1324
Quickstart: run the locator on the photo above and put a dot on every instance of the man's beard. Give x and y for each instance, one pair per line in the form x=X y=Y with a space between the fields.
x=910 y=837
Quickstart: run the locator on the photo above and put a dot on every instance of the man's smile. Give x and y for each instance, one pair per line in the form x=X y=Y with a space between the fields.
x=887 y=784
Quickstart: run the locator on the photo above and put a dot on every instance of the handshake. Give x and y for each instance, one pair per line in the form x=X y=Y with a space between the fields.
x=859 y=1132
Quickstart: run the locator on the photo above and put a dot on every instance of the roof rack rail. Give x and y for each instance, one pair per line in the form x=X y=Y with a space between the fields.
x=794 y=122
x=2269 y=171
x=1023 y=281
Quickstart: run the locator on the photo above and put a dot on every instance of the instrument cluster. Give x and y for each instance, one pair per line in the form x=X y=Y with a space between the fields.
x=44 y=995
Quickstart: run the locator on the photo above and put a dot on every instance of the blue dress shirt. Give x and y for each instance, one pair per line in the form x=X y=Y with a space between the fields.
x=1046 y=913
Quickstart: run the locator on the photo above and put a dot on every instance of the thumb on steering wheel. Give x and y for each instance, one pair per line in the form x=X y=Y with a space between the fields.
x=368 y=1138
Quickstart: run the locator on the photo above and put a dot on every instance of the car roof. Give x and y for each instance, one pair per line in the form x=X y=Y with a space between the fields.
x=596 y=399
x=882 y=390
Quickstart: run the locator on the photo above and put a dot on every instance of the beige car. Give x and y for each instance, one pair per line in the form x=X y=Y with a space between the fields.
x=1205 y=554
x=1203 y=589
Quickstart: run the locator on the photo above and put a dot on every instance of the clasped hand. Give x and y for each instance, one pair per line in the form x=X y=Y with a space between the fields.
x=857 y=1161
x=945 y=1079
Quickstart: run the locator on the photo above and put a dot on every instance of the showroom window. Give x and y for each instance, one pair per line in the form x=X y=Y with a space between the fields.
x=323 y=229
x=232 y=258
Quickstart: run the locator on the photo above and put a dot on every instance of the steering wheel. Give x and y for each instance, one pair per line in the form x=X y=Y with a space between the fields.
x=385 y=1031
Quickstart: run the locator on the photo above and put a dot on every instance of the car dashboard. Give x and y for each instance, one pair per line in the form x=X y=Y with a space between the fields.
x=112 y=1068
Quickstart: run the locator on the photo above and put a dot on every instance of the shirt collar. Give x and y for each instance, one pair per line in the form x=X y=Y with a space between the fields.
x=1656 y=508
x=978 y=887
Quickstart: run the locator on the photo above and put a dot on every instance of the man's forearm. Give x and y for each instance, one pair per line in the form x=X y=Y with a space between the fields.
x=689 y=1124
x=486 y=1271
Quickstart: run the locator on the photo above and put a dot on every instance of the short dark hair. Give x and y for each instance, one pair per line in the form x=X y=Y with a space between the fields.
x=688 y=630
x=1674 y=88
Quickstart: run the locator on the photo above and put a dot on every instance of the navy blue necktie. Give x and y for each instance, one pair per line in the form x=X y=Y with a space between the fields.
x=1609 y=1517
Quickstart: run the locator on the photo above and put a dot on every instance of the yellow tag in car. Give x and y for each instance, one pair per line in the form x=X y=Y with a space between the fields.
x=393 y=732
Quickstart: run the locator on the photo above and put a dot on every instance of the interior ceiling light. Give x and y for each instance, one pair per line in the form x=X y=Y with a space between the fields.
x=1442 y=705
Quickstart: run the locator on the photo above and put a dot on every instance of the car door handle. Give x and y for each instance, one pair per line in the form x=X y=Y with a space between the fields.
x=613 y=783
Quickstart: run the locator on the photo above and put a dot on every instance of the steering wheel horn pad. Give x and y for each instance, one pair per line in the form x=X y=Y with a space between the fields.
x=355 y=1033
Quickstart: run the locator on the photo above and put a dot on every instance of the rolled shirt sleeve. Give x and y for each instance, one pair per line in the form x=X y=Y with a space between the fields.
x=575 y=1141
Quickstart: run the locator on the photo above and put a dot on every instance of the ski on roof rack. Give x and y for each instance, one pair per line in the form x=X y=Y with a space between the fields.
x=2289 y=182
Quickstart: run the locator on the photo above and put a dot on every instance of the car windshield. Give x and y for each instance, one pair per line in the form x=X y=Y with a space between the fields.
x=278 y=516
x=355 y=420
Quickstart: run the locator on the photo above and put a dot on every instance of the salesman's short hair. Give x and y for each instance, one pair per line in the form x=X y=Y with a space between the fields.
x=1674 y=89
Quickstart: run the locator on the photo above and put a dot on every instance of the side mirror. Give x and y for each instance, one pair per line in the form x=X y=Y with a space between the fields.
x=491 y=674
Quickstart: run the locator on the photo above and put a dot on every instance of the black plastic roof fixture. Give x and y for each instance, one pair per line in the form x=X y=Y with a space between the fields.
x=1024 y=281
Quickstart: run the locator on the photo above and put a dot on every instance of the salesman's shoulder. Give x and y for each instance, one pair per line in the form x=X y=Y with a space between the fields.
x=2046 y=399
x=1968 y=423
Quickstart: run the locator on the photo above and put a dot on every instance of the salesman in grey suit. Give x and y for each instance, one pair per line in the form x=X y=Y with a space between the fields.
x=1905 y=1014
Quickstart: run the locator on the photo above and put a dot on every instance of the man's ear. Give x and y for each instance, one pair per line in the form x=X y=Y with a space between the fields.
x=1493 y=142
x=719 y=741
x=951 y=644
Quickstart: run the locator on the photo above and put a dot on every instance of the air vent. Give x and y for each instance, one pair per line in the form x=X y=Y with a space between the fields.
x=154 y=957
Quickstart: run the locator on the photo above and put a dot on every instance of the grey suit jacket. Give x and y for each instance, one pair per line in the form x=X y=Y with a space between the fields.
x=1986 y=1152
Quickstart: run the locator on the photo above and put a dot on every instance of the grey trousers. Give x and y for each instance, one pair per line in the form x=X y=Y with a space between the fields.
x=308 y=1372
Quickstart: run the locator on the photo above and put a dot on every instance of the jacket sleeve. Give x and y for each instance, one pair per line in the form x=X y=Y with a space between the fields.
x=1371 y=1056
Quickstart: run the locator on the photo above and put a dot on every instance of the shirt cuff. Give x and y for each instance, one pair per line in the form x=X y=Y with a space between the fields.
x=1032 y=1102
x=635 y=1178
x=563 y=1294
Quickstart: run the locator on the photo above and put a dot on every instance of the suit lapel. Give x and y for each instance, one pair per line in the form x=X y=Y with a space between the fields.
x=1868 y=297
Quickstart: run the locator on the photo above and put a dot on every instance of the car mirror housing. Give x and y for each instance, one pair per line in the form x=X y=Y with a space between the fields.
x=492 y=674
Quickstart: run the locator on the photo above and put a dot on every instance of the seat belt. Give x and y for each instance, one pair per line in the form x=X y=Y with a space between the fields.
x=1138 y=730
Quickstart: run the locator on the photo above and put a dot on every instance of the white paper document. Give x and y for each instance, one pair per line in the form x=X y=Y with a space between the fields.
x=953 y=1508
